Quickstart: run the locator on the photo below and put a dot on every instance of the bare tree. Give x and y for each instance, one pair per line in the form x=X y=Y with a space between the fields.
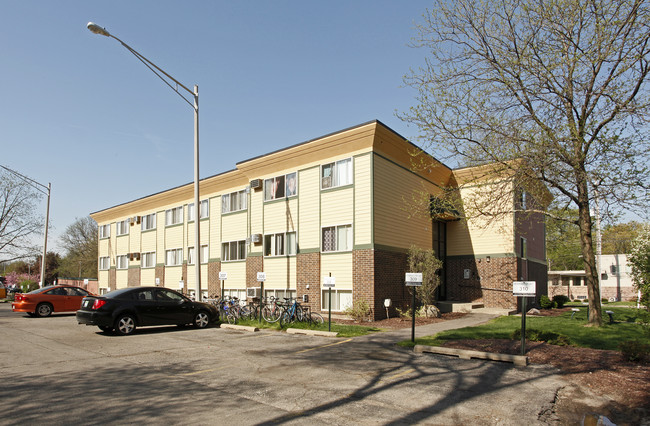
x=560 y=85
x=79 y=240
x=18 y=221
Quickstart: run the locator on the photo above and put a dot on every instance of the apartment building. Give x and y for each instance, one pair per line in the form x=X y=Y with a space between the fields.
x=340 y=205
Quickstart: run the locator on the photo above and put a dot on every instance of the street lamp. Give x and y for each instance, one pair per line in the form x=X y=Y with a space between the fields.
x=195 y=105
x=39 y=187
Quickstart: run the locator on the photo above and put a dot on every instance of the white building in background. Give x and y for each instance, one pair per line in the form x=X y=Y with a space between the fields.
x=615 y=280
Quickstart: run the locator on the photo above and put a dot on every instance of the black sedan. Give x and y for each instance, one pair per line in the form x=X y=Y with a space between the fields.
x=125 y=309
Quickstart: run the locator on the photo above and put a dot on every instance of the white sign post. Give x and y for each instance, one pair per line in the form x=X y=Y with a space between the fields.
x=523 y=289
x=329 y=282
x=223 y=276
x=413 y=279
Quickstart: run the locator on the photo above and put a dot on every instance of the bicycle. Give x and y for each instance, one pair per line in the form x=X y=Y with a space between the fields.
x=271 y=311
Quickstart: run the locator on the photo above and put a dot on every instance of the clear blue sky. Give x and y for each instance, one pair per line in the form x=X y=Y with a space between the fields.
x=79 y=111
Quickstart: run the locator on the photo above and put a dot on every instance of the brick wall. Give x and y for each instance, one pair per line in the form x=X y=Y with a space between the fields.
x=254 y=264
x=489 y=283
x=363 y=278
x=572 y=292
x=112 y=279
x=133 y=279
x=308 y=273
x=390 y=268
x=214 y=285
x=160 y=274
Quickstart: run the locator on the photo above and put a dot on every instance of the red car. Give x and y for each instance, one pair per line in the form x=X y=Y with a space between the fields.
x=43 y=301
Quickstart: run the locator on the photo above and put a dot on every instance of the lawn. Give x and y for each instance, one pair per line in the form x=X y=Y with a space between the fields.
x=627 y=326
x=342 y=330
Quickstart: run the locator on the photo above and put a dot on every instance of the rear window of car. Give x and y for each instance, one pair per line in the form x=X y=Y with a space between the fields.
x=40 y=290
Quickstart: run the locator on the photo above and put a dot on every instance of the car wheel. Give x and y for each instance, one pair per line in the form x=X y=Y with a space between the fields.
x=125 y=325
x=201 y=319
x=43 y=310
x=105 y=328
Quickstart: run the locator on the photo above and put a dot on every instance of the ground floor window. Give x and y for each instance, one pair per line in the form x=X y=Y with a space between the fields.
x=341 y=299
x=280 y=294
x=235 y=292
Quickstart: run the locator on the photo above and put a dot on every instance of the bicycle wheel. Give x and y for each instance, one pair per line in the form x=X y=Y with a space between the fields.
x=316 y=318
x=232 y=319
x=245 y=312
x=271 y=313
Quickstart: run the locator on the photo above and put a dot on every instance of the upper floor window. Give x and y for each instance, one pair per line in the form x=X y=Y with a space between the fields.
x=204 y=210
x=148 y=222
x=173 y=257
x=148 y=260
x=174 y=216
x=104 y=263
x=280 y=244
x=234 y=201
x=122 y=262
x=337 y=238
x=105 y=231
x=204 y=254
x=523 y=201
x=336 y=174
x=122 y=228
x=281 y=187
x=233 y=250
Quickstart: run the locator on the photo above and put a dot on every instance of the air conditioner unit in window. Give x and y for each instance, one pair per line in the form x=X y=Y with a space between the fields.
x=256 y=183
x=128 y=220
x=253 y=292
x=256 y=238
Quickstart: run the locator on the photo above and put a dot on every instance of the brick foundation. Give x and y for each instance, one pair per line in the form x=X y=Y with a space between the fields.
x=214 y=285
x=160 y=275
x=308 y=273
x=254 y=264
x=112 y=279
x=390 y=269
x=489 y=283
x=133 y=279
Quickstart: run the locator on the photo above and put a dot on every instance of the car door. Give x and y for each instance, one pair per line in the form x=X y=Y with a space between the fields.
x=144 y=303
x=58 y=297
x=173 y=308
x=75 y=296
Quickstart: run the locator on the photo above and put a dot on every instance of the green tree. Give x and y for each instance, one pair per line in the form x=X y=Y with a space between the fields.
x=617 y=238
x=639 y=260
x=545 y=91
x=79 y=240
x=426 y=262
x=563 y=242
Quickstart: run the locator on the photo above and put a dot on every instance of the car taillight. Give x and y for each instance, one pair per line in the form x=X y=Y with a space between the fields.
x=18 y=297
x=98 y=303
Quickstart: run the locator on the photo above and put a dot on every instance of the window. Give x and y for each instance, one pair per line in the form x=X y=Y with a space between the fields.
x=174 y=216
x=337 y=238
x=341 y=299
x=148 y=260
x=204 y=254
x=121 y=228
x=148 y=222
x=104 y=263
x=122 y=262
x=524 y=248
x=173 y=257
x=336 y=174
x=204 y=210
x=280 y=187
x=164 y=295
x=280 y=244
x=522 y=200
x=280 y=294
x=233 y=250
x=105 y=231
x=233 y=202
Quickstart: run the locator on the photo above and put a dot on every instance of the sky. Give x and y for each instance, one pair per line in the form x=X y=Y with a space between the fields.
x=79 y=111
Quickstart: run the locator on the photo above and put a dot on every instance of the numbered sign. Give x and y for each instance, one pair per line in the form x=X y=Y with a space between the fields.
x=261 y=277
x=523 y=288
x=329 y=281
x=223 y=276
x=413 y=279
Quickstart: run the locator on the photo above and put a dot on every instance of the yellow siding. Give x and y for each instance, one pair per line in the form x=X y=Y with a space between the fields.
x=362 y=200
x=134 y=237
x=191 y=276
x=308 y=213
x=103 y=279
x=281 y=216
x=215 y=228
x=148 y=241
x=205 y=232
x=122 y=244
x=104 y=248
x=337 y=207
x=148 y=276
x=160 y=238
x=173 y=238
x=173 y=274
x=121 y=277
x=340 y=265
x=234 y=226
x=397 y=194
x=280 y=273
x=255 y=209
x=236 y=274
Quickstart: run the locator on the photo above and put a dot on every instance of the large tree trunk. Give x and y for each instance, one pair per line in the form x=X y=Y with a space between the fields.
x=591 y=271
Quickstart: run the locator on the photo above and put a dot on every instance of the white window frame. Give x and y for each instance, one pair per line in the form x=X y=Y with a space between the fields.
x=338 y=247
x=121 y=228
x=205 y=209
x=148 y=260
x=176 y=255
x=105 y=231
x=104 y=263
x=148 y=222
x=204 y=254
x=227 y=206
x=174 y=216
x=287 y=249
x=227 y=250
x=336 y=299
x=337 y=177
x=122 y=262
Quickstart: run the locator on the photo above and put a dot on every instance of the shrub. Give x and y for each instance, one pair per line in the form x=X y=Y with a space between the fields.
x=545 y=302
x=359 y=310
x=543 y=336
x=604 y=300
x=28 y=285
x=636 y=351
x=561 y=300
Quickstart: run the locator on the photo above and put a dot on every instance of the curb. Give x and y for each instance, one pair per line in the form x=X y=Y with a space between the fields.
x=518 y=360
x=312 y=332
x=239 y=327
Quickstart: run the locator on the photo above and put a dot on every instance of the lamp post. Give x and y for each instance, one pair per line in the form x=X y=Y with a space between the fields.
x=40 y=188
x=166 y=78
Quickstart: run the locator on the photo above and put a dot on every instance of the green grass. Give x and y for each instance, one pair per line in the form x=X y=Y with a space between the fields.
x=342 y=330
x=609 y=336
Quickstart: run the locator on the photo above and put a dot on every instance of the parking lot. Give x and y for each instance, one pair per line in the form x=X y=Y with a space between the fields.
x=58 y=372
